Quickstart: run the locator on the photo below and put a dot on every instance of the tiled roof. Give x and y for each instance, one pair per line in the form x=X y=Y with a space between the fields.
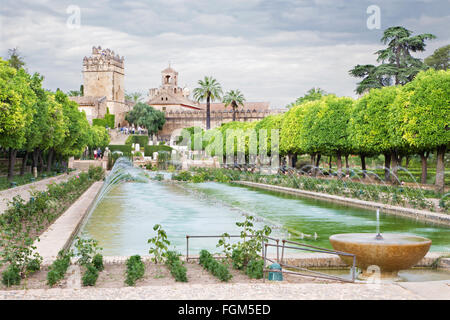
x=160 y=100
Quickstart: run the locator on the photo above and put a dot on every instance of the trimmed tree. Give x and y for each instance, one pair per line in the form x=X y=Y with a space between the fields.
x=426 y=122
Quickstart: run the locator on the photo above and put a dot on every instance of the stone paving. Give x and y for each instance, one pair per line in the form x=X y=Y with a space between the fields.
x=264 y=291
x=24 y=190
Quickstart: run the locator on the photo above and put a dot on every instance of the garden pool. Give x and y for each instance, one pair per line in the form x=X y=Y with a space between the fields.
x=123 y=220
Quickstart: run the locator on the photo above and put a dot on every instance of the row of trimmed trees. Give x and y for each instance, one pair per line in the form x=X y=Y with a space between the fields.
x=393 y=121
x=43 y=125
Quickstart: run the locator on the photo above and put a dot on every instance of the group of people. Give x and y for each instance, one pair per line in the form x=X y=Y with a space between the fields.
x=98 y=154
x=131 y=130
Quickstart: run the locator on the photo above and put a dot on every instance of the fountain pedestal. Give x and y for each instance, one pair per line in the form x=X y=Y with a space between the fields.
x=391 y=253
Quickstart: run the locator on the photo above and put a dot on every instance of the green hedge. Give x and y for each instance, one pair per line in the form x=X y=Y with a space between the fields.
x=125 y=148
x=99 y=122
x=110 y=120
x=148 y=151
x=135 y=138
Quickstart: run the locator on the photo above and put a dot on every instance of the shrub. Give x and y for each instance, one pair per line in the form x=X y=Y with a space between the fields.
x=86 y=250
x=99 y=122
x=177 y=270
x=90 y=276
x=33 y=265
x=135 y=269
x=148 y=150
x=182 y=176
x=58 y=268
x=110 y=120
x=124 y=148
x=97 y=261
x=217 y=269
x=255 y=268
x=160 y=244
x=11 y=276
x=96 y=173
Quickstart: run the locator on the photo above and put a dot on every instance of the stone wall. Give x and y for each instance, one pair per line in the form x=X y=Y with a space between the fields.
x=185 y=119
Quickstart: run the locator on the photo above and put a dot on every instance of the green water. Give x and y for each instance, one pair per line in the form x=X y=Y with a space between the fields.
x=124 y=219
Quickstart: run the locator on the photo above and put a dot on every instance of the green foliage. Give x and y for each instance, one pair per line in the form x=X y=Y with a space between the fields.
x=135 y=269
x=146 y=116
x=90 y=276
x=97 y=262
x=398 y=66
x=59 y=267
x=217 y=269
x=110 y=120
x=182 y=176
x=159 y=244
x=125 y=149
x=86 y=249
x=149 y=150
x=370 y=128
x=96 y=173
x=249 y=247
x=34 y=265
x=313 y=94
x=175 y=265
x=440 y=59
x=255 y=268
x=99 y=122
x=11 y=276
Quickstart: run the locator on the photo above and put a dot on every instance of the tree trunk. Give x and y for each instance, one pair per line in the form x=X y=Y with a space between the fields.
x=49 y=159
x=41 y=162
x=312 y=159
x=35 y=159
x=423 y=160
x=11 y=163
x=394 y=166
x=363 y=165
x=387 y=166
x=339 y=164
x=294 y=160
x=24 y=164
x=208 y=115
x=347 y=166
x=407 y=161
x=329 y=162
x=234 y=113
x=440 y=169
x=316 y=169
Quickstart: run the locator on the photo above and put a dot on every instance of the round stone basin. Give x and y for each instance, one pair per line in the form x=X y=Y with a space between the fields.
x=392 y=253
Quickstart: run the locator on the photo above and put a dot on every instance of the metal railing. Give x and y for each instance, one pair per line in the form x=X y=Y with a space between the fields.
x=281 y=260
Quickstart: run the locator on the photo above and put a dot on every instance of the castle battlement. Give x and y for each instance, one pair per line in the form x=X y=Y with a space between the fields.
x=103 y=60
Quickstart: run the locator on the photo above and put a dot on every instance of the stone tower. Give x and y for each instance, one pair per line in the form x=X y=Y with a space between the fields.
x=103 y=76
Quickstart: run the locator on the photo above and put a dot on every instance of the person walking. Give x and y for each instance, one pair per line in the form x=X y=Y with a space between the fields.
x=99 y=154
x=95 y=154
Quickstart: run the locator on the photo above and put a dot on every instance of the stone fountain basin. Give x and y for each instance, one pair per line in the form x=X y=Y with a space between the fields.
x=393 y=253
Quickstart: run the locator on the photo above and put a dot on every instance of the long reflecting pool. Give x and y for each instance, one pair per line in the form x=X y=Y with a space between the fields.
x=124 y=219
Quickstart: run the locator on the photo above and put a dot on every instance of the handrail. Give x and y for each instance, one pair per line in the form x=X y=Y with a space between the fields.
x=307 y=247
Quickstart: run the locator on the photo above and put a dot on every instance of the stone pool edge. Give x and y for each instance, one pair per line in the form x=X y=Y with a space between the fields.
x=61 y=232
x=422 y=215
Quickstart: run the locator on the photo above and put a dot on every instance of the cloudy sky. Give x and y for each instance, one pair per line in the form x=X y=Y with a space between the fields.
x=271 y=50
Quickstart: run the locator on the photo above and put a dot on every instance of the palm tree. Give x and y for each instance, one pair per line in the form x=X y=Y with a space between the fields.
x=234 y=98
x=210 y=90
x=133 y=96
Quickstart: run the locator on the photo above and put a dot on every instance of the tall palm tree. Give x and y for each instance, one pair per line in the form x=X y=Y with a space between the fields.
x=234 y=98
x=210 y=90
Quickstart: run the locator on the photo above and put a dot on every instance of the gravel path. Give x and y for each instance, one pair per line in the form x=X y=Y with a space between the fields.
x=264 y=291
x=24 y=190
